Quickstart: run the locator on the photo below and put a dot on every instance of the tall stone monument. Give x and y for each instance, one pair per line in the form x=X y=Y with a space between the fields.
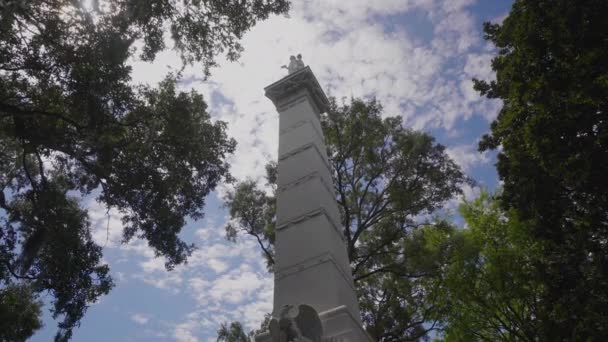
x=314 y=294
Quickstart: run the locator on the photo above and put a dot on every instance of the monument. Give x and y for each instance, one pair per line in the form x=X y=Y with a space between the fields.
x=314 y=294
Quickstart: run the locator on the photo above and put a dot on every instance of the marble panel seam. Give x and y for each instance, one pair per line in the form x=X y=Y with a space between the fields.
x=306 y=178
x=309 y=215
x=312 y=262
x=300 y=124
x=343 y=310
x=295 y=151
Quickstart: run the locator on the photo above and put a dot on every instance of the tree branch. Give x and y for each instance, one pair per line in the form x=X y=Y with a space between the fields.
x=10 y=269
x=11 y=110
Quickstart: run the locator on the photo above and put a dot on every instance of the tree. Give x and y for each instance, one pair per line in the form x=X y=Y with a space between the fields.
x=386 y=179
x=552 y=77
x=73 y=124
x=490 y=283
x=19 y=313
x=253 y=212
x=234 y=332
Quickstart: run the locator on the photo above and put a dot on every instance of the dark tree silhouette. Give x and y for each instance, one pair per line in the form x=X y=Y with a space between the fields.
x=71 y=122
x=552 y=76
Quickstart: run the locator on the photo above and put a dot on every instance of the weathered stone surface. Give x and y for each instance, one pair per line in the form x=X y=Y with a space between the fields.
x=312 y=265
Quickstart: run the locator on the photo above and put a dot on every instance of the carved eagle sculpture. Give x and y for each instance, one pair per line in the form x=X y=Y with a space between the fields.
x=301 y=324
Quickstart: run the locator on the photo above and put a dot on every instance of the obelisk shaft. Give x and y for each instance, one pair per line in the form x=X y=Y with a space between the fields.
x=311 y=261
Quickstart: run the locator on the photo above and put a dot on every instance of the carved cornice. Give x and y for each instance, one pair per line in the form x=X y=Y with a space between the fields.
x=290 y=84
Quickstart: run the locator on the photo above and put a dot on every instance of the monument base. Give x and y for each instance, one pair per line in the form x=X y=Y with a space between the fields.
x=338 y=326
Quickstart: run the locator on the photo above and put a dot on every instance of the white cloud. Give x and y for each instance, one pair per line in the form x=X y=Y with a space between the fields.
x=140 y=319
x=456 y=5
x=138 y=247
x=338 y=15
x=253 y=312
x=479 y=66
x=153 y=264
x=467 y=156
x=243 y=293
x=168 y=280
x=235 y=287
x=184 y=332
x=106 y=224
x=203 y=233
x=470 y=192
x=351 y=53
x=245 y=298
x=217 y=265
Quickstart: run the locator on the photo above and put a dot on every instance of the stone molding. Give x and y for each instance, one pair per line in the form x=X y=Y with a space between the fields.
x=294 y=100
x=312 y=262
x=300 y=124
x=290 y=84
x=302 y=148
x=304 y=179
x=345 y=333
x=340 y=311
x=308 y=215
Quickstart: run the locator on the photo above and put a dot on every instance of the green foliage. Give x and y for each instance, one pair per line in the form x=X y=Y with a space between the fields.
x=490 y=283
x=73 y=124
x=19 y=313
x=406 y=304
x=552 y=76
x=232 y=333
x=253 y=212
x=385 y=177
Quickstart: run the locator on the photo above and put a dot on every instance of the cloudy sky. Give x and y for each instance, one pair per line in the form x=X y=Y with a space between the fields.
x=416 y=56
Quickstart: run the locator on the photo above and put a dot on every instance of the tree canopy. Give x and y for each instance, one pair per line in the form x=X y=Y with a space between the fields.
x=235 y=332
x=73 y=123
x=489 y=283
x=552 y=76
x=387 y=179
x=19 y=313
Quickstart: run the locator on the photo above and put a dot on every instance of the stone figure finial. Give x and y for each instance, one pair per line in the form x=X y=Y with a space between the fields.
x=301 y=324
x=294 y=64
x=300 y=62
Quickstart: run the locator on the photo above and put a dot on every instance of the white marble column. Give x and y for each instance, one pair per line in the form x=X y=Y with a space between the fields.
x=311 y=262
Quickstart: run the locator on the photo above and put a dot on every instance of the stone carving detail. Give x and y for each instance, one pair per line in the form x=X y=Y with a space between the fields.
x=300 y=61
x=294 y=64
x=300 y=80
x=296 y=324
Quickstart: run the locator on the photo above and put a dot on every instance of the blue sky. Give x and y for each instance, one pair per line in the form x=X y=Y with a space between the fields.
x=416 y=56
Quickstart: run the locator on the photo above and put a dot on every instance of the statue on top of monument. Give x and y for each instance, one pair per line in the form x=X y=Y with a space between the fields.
x=294 y=64
x=301 y=324
x=300 y=61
